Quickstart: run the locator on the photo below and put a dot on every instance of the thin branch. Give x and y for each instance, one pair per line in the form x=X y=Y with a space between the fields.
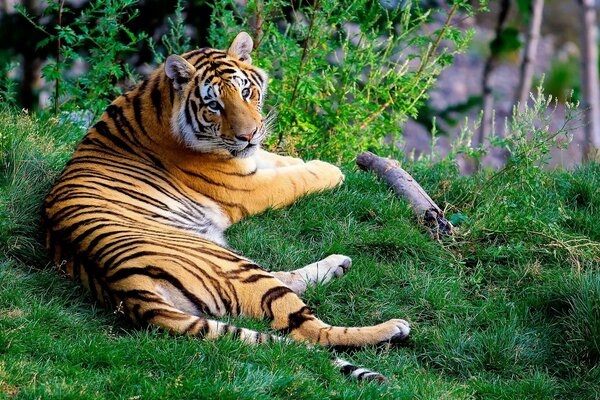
x=305 y=49
x=590 y=87
x=405 y=187
x=57 y=85
x=424 y=61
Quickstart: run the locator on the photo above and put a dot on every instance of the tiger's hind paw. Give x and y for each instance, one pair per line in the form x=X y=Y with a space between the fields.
x=397 y=331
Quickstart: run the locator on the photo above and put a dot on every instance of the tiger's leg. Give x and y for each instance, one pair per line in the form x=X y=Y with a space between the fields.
x=156 y=311
x=320 y=272
x=288 y=313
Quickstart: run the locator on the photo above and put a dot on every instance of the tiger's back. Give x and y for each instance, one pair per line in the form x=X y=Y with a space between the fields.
x=139 y=212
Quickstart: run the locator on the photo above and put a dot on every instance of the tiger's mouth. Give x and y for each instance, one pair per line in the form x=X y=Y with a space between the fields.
x=246 y=151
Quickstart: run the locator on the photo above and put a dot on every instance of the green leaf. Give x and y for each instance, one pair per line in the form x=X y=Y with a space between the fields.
x=507 y=41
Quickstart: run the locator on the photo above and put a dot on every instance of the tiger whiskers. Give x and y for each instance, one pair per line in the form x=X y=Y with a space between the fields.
x=266 y=128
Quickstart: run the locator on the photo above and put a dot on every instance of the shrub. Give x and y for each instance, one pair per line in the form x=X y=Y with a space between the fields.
x=343 y=75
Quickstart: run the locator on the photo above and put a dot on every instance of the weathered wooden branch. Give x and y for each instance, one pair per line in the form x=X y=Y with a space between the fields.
x=406 y=187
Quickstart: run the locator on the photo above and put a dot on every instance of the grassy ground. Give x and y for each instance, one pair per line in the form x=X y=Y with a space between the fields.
x=509 y=309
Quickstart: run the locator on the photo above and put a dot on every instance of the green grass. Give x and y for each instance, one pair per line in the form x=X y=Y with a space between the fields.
x=508 y=309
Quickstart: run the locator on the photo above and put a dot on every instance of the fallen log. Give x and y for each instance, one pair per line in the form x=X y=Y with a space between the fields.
x=406 y=187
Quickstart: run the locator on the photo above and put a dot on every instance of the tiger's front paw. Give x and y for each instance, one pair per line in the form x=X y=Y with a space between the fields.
x=328 y=174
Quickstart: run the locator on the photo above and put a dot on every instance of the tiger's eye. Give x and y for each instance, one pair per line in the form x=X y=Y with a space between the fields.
x=213 y=105
x=246 y=93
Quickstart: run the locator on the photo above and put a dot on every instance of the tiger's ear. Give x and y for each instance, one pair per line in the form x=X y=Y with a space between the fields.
x=241 y=47
x=179 y=71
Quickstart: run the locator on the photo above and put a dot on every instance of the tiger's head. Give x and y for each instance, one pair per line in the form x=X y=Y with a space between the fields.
x=219 y=98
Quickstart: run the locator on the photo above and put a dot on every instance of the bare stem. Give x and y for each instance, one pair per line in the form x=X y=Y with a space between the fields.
x=256 y=24
x=526 y=69
x=305 y=49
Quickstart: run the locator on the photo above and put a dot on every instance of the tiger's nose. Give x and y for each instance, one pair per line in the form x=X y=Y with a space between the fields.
x=245 y=137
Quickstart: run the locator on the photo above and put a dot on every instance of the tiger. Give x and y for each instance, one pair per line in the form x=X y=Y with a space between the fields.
x=139 y=212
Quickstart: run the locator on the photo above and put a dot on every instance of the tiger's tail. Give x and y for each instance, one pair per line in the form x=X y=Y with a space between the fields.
x=358 y=373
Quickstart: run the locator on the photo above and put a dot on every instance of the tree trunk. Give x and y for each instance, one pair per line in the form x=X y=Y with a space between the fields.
x=590 y=90
x=490 y=64
x=533 y=36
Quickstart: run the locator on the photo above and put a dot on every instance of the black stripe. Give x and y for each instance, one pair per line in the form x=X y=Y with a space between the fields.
x=137 y=112
x=198 y=332
x=156 y=97
x=213 y=182
x=188 y=116
x=193 y=53
x=256 y=278
x=257 y=77
x=348 y=369
x=236 y=333
x=139 y=294
x=270 y=296
x=241 y=174
x=362 y=374
x=296 y=319
x=102 y=128
x=228 y=71
x=156 y=312
x=121 y=122
x=157 y=273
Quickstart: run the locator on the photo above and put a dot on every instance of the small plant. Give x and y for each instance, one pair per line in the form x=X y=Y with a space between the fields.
x=98 y=40
x=33 y=149
x=516 y=206
x=582 y=320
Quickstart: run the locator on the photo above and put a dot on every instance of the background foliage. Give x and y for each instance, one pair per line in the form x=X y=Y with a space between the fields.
x=344 y=75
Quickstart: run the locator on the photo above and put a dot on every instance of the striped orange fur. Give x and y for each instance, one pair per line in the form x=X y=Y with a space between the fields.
x=138 y=215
